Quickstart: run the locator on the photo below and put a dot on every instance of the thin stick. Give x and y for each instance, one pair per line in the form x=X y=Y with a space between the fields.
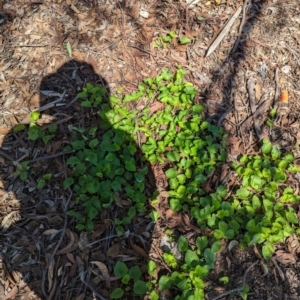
x=278 y=268
x=143 y=50
x=53 y=103
x=7 y=156
x=224 y=31
x=50 y=156
x=239 y=289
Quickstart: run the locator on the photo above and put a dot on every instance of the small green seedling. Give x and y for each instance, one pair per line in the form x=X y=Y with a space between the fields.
x=35 y=131
x=126 y=275
x=69 y=49
x=22 y=170
x=224 y=279
x=185 y=40
x=43 y=180
x=273 y=113
x=244 y=292
x=163 y=41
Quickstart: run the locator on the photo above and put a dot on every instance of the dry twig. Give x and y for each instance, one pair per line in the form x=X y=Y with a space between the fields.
x=278 y=268
x=50 y=156
x=239 y=289
x=224 y=31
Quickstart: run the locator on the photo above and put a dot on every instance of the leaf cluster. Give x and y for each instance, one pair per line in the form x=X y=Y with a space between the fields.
x=259 y=211
x=34 y=131
x=126 y=275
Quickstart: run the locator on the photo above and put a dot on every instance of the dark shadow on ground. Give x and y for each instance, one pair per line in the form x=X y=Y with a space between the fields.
x=221 y=100
x=220 y=95
x=38 y=240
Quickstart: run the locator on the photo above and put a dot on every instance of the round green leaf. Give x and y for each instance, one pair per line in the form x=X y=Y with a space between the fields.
x=173 y=183
x=164 y=283
x=117 y=293
x=68 y=182
x=140 y=287
x=171 y=173
x=218 y=234
x=182 y=244
x=181 y=178
x=135 y=273
x=266 y=147
x=242 y=193
x=120 y=269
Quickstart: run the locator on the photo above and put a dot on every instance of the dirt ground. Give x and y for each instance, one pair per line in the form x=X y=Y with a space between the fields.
x=42 y=255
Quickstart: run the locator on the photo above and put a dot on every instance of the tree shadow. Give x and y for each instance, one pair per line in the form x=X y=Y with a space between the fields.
x=42 y=252
x=221 y=96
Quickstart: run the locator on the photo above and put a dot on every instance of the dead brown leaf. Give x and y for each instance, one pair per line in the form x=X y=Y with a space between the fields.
x=257 y=252
x=187 y=224
x=2 y=291
x=113 y=251
x=160 y=177
x=130 y=77
x=36 y=100
x=10 y=219
x=234 y=145
x=100 y=229
x=138 y=249
x=173 y=218
x=257 y=91
x=135 y=10
x=81 y=297
x=78 y=55
x=71 y=258
x=178 y=57
x=293 y=244
x=181 y=48
x=75 y=9
x=50 y=275
x=4 y=129
x=146 y=34
x=284 y=257
x=118 y=200
x=156 y=106
x=140 y=62
x=104 y=271
x=69 y=246
x=91 y=60
x=51 y=231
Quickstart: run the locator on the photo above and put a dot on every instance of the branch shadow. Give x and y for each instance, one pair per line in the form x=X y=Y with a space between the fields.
x=219 y=96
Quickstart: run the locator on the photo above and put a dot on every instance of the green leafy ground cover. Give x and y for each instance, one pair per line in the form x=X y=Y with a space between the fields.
x=259 y=210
